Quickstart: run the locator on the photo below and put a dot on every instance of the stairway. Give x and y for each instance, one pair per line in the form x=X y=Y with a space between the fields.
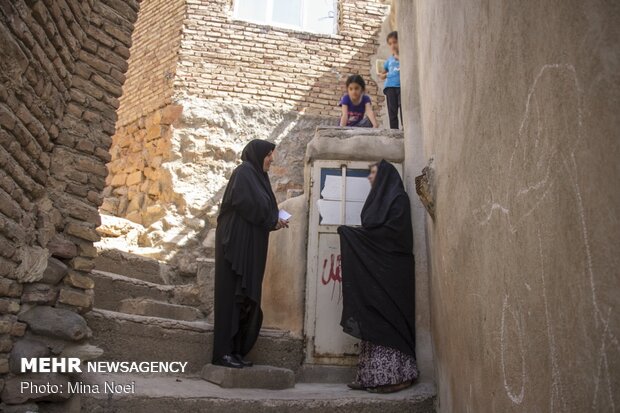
x=143 y=313
x=140 y=316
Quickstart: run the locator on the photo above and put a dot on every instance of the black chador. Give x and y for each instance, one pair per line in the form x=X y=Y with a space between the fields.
x=248 y=213
x=378 y=267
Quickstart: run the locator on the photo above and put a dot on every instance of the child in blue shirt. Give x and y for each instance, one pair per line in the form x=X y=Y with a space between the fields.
x=391 y=86
x=355 y=104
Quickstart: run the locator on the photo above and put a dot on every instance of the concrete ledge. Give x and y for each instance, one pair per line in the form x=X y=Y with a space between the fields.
x=256 y=377
x=356 y=144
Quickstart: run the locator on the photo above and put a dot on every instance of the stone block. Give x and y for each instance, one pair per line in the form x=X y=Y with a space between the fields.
x=87 y=249
x=61 y=248
x=9 y=306
x=56 y=322
x=135 y=216
x=78 y=280
x=110 y=205
x=39 y=294
x=82 y=264
x=256 y=377
x=134 y=178
x=5 y=326
x=18 y=329
x=5 y=344
x=55 y=271
x=4 y=365
x=82 y=231
x=10 y=288
x=26 y=348
x=119 y=180
x=76 y=298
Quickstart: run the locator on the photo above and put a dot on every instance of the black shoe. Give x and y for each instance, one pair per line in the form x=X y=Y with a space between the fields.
x=240 y=359
x=229 y=361
x=356 y=386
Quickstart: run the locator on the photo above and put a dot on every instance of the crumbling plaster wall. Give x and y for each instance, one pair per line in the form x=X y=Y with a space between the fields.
x=517 y=104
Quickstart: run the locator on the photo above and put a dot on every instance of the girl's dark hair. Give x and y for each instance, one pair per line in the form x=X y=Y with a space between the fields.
x=356 y=79
x=393 y=35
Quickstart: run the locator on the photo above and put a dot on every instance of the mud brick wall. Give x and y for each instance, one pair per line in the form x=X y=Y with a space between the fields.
x=62 y=66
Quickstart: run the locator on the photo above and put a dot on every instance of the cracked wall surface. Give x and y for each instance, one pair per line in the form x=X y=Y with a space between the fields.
x=517 y=105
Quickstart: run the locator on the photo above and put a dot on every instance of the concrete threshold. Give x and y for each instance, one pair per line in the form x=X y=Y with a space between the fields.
x=194 y=394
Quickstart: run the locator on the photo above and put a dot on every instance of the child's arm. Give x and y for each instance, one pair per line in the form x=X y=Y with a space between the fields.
x=344 y=116
x=383 y=74
x=371 y=115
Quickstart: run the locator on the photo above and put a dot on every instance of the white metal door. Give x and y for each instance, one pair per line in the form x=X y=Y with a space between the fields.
x=326 y=342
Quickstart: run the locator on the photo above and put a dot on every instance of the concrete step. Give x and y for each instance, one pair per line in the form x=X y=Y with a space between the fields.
x=156 y=308
x=180 y=395
x=132 y=265
x=129 y=337
x=316 y=373
x=111 y=289
x=255 y=377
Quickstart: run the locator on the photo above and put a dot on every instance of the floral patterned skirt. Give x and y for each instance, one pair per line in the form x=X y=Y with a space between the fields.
x=381 y=366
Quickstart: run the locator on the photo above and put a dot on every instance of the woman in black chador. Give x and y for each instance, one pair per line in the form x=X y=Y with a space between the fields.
x=248 y=213
x=378 y=285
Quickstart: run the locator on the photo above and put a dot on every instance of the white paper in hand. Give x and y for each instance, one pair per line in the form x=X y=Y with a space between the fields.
x=284 y=215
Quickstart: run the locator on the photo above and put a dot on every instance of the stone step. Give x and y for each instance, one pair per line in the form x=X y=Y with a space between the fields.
x=111 y=289
x=255 y=377
x=132 y=265
x=316 y=373
x=155 y=308
x=180 y=395
x=130 y=337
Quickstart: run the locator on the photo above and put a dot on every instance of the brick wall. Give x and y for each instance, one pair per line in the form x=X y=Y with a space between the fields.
x=174 y=148
x=62 y=66
x=153 y=60
x=232 y=60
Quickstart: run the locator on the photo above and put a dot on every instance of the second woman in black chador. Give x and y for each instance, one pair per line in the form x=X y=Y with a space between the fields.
x=378 y=285
x=248 y=213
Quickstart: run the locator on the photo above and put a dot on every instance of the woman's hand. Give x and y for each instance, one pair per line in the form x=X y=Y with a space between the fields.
x=282 y=223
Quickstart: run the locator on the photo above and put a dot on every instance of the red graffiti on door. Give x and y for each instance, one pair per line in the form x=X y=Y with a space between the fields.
x=333 y=275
